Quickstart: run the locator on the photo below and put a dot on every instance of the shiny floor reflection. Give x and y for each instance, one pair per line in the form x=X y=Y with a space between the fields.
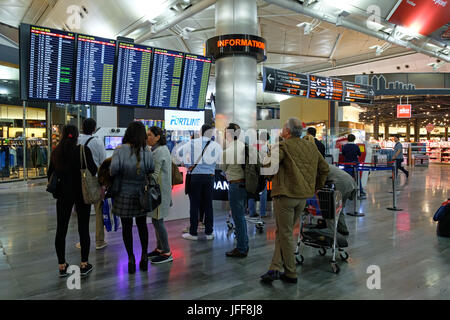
x=414 y=262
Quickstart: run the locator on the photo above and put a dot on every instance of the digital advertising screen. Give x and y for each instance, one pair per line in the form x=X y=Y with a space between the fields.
x=195 y=82
x=112 y=142
x=166 y=78
x=325 y=88
x=132 y=74
x=51 y=65
x=95 y=67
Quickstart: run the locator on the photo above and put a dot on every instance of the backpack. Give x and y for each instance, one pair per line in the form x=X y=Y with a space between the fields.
x=254 y=181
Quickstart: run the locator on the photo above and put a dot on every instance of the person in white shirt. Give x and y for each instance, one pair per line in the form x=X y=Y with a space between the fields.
x=99 y=154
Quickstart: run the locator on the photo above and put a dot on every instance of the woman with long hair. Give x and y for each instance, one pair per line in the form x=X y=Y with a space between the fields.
x=131 y=162
x=65 y=163
x=162 y=175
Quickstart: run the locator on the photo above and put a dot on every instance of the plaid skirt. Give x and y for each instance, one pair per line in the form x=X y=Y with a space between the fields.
x=127 y=206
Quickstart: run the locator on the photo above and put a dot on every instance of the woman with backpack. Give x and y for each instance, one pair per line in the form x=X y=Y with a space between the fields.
x=65 y=165
x=163 y=176
x=130 y=164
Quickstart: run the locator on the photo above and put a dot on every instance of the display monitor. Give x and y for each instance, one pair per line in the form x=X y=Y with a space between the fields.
x=166 y=78
x=132 y=74
x=112 y=142
x=325 y=88
x=95 y=66
x=358 y=93
x=51 y=65
x=285 y=82
x=195 y=82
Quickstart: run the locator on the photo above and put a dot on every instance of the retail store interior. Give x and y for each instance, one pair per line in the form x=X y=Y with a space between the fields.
x=370 y=71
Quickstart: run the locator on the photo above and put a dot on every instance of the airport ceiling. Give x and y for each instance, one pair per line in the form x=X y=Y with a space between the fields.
x=295 y=41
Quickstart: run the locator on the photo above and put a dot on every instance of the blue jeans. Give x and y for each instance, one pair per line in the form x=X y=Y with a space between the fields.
x=238 y=199
x=202 y=186
x=262 y=204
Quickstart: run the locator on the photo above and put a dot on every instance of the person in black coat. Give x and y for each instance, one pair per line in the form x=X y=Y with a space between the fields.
x=320 y=146
x=65 y=163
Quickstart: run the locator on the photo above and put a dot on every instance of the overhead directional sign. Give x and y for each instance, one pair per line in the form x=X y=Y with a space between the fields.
x=315 y=87
x=285 y=82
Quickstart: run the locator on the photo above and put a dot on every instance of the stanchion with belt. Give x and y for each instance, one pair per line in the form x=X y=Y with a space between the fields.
x=366 y=166
x=357 y=197
x=394 y=191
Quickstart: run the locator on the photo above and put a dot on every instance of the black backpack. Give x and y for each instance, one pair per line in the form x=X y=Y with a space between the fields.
x=254 y=181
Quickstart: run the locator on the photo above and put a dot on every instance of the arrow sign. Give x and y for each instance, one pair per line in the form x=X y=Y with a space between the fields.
x=269 y=78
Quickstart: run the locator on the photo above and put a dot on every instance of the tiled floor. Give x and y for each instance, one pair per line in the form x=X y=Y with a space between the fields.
x=414 y=262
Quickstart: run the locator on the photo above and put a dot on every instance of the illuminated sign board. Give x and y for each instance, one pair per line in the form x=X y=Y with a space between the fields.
x=241 y=44
x=184 y=120
x=404 y=111
x=315 y=87
x=422 y=16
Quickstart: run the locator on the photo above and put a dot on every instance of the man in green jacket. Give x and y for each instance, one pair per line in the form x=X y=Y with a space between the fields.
x=302 y=171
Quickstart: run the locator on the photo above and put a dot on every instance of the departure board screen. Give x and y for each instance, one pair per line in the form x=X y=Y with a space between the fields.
x=51 y=64
x=166 y=78
x=325 y=88
x=95 y=67
x=195 y=82
x=285 y=82
x=132 y=75
x=358 y=93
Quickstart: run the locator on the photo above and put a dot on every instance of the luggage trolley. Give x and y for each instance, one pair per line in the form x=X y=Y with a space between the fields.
x=330 y=203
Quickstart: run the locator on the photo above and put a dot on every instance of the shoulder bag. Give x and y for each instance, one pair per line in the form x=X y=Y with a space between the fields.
x=89 y=183
x=187 y=186
x=150 y=196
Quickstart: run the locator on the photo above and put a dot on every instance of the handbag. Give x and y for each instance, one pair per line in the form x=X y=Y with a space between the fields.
x=177 y=176
x=53 y=184
x=187 y=185
x=89 y=183
x=150 y=195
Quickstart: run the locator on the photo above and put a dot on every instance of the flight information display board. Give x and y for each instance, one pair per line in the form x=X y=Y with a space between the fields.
x=95 y=67
x=325 y=88
x=133 y=72
x=166 y=78
x=195 y=82
x=285 y=82
x=358 y=93
x=51 y=64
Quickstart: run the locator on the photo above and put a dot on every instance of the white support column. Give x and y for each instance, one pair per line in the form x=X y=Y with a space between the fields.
x=236 y=75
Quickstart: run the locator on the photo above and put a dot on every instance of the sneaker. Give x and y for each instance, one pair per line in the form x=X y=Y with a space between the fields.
x=78 y=245
x=210 y=236
x=162 y=258
x=201 y=225
x=285 y=278
x=189 y=236
x=270 y=276
x=153 y=254
x=86 y=270
x=186 y=230
x=235 y=253
x=63 y=273
x=101 y=245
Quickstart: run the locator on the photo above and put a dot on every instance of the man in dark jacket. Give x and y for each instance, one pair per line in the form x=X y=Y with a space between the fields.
x=312 y=132
x=351 y=152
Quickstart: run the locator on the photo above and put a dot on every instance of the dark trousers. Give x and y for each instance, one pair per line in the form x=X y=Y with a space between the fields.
x=63 y=211
x=127 y=234
x=398 y=162
x=202 y=186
